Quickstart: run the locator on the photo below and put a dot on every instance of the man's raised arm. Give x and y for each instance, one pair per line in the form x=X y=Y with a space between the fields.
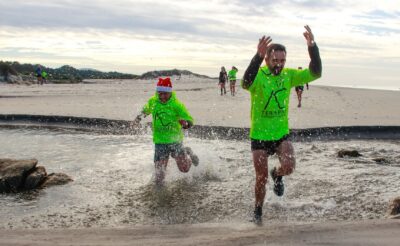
x=252 y=70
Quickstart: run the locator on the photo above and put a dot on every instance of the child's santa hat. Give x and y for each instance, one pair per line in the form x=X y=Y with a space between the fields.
x=164 y=85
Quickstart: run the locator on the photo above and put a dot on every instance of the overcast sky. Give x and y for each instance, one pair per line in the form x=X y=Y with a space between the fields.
x=359 y=41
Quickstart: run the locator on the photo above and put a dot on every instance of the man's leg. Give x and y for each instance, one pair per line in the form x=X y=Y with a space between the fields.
x=287 y=160
x=300 y=93
x=260 y=160
x=285 y=152
x=298 y=97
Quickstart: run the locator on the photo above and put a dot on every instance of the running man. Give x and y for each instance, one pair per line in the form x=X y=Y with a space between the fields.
x=44 y=77
x=169 y=117
x=232 y=79
x=299 y=91
x=269 y=87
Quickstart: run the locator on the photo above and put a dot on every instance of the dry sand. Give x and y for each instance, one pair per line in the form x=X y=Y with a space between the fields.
x=322 y=106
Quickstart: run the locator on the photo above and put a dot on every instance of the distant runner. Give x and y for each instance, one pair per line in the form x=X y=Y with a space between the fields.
x=269 y=87
x=169 y=117
x=299 y=91
x=223 y=77
x=38 y=72
x=232 y=79
x=44 y=77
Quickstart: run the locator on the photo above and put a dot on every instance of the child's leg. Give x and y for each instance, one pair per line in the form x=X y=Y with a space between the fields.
x=160 y=167
x=184 y=162
x=182 y=158
x=161 y=156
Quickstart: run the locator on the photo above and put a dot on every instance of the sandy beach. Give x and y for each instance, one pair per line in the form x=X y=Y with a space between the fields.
x=322 y=105
x=342 y=203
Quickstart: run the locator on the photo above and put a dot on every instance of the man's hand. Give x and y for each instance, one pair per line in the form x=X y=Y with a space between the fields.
x=309 y=36
x=263 y=46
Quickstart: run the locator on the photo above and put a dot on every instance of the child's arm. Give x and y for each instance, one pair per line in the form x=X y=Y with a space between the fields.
x=139 y=117
x=186 y=119
x=185 y=124
x=147 y=109
x=136 y=122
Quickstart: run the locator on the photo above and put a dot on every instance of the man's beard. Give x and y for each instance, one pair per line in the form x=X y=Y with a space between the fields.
x=276 y=70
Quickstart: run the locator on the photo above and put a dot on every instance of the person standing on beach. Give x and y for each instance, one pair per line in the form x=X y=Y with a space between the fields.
x=38 y=72
x=232 y=79
x=299 y=91
x=44 y=77
x=223 y=77
x=269 y=87
x=169 y=117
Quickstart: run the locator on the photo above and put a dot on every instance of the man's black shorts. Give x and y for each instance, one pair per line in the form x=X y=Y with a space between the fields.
x=299 y=88
x=269 y=146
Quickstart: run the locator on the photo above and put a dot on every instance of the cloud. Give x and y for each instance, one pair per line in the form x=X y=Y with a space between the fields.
x=374 y=30
x=125 y=35
x=77 y=15
x=379 y=14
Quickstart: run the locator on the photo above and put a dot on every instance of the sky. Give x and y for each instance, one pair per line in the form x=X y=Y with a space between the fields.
x=359 y=40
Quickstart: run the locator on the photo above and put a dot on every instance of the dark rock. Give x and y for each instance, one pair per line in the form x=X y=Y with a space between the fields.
x=394 y=207
x=35 y=178
x=18 y=175
x=350 y=153
x=14 y=172
x=56 y=179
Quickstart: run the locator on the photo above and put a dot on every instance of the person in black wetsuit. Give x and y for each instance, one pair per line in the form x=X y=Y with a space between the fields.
x=223 y=77
x=299 y=91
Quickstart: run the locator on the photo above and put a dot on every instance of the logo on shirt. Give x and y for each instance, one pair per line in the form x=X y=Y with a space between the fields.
x=163 y=118
x=274 y=96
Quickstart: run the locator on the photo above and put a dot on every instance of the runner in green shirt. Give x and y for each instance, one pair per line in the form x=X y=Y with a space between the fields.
x=270 y=87
x=169 y=117
x=232 y=79
x=44 y=77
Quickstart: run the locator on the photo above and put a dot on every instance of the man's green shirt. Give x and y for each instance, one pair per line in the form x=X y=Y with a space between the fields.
x=166 y=116
x=270 y=101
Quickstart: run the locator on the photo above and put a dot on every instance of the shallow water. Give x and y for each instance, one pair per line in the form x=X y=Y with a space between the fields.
x=113 y=182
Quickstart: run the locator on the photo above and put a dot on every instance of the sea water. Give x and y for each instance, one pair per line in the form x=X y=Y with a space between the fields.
x=113 y=182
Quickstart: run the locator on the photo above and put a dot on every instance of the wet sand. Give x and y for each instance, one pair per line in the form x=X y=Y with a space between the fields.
x=373 y=232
